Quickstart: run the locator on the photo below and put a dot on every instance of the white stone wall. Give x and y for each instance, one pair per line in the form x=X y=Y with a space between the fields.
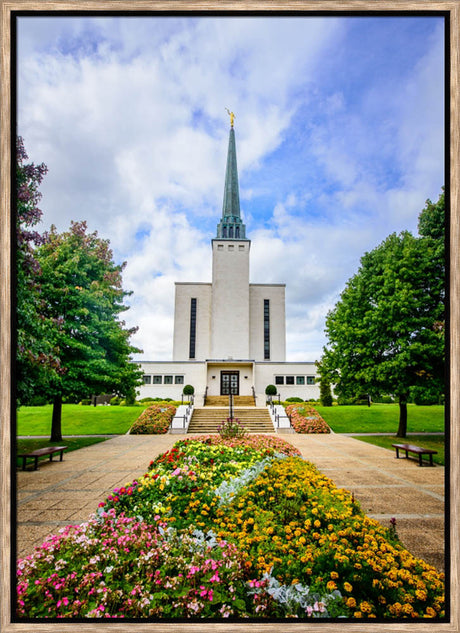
x=181 y=342
x=265 y=374
x=275 y=293
x=194 y=374
x=230 y=299
x=246 y=379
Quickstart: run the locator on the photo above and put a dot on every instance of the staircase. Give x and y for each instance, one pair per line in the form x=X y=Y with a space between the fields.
x=254 y=420
x=222 y=401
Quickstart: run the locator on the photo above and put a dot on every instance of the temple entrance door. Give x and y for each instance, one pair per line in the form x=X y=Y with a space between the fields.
x=229 y=383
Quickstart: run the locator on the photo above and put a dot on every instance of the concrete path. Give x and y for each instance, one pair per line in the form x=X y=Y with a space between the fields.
x=66 y=492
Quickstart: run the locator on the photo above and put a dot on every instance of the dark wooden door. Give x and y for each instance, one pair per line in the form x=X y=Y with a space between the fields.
x=229 y=383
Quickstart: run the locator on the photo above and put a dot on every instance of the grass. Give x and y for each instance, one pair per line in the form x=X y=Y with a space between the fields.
x=72 y=443
x=434 y=442
x=383 y=418
x=78 y=419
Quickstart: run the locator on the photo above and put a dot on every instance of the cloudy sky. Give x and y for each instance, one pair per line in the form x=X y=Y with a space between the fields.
x=339 y=130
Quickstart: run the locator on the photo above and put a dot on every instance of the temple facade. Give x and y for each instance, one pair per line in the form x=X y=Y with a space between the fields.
x=229 y=334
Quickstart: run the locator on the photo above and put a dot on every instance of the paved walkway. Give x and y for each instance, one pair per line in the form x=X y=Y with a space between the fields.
x=66 y=492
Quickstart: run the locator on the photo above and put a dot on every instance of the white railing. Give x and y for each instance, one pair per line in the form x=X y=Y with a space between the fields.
x=181 y=420
x=279 y=417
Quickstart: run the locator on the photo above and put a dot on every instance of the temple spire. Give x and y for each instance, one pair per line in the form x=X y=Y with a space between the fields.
x=231 y=225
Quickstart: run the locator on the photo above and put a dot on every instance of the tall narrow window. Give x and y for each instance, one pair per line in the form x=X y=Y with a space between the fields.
x=192 y=328
x=266 y=329
x=237 y=231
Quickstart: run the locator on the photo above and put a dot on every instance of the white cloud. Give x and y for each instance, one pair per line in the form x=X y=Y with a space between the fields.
x=129 y=115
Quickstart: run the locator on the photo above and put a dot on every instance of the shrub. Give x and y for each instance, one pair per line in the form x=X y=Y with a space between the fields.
x=188 y=390
x=426 y=396
x=325 y=395
x=154 y=420
x=294 y=399
x=270 y=390
x=114 y=402
x=86 y=402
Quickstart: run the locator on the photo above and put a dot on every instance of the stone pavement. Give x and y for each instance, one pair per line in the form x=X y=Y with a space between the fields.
x=66 y=492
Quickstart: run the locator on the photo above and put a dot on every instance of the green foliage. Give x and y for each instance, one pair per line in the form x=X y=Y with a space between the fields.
x=426 y=395
x=325 y=394
x=115 y=401
x=294 y=399
x=82 y=291
x=188 y=390
x=271 y=390
x=86 y=402
x=386 y=334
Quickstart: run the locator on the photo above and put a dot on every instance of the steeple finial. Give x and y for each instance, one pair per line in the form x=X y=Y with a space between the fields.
x=232 y=117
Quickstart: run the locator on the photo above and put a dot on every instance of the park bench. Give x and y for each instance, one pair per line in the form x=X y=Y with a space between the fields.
x=417 y=450
x=39 y=452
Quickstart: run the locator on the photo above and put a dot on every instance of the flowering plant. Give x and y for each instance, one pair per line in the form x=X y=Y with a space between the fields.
x=231 y=427
x=306 y=419
x=154 y=420
x=228 y=528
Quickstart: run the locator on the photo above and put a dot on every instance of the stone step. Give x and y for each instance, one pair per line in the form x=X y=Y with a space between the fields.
x=223 y=401
x=208 y=420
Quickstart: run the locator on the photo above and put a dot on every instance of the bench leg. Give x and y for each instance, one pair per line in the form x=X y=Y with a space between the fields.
x=36 y=462
x=62 y=455
x=420 y=459
x=397 y=453
x=24 y=463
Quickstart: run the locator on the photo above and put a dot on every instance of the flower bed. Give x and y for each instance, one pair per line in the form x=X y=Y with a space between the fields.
x=306 y=419
x=154 y=420
x=241 y=528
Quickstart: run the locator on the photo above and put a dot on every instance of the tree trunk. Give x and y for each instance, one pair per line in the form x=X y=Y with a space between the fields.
x=56 y=435
x=402 y=429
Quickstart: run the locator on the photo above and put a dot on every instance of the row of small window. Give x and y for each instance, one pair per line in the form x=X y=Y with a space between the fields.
x=230 y=247
x=294 y=380
x=163 y=380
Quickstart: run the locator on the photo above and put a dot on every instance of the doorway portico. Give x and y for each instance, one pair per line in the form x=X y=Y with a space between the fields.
x=230 y=377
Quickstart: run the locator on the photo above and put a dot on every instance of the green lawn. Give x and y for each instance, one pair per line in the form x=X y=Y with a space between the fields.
x=383 y=418
x=78 y=419
x=426 y=441
x=72 y=443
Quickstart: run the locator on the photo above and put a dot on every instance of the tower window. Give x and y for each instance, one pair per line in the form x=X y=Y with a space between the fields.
x=230 y=231
x=192 y=328
x=237 y=231
x=224 y=232
x=266 y=329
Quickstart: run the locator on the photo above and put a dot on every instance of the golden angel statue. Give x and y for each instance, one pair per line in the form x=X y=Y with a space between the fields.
x=232 y=116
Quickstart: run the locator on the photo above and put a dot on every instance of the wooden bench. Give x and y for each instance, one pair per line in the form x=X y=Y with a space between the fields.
x=50 y=450
x=417 y=450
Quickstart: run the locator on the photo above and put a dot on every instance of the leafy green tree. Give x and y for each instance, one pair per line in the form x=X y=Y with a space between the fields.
x=386 y=333
x=36 y=359
x=82 y=290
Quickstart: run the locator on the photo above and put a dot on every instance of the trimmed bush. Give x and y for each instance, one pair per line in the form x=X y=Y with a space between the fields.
x=294 y=399
x=188 y=390
x=270 y=390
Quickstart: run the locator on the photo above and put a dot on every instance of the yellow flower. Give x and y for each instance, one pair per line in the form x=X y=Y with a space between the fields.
x=334 y=575
x=351 y=602
x=365 y=607
x=331 y=585
x=347 y=587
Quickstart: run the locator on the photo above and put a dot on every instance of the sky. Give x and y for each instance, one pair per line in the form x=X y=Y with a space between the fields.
x=339 y=125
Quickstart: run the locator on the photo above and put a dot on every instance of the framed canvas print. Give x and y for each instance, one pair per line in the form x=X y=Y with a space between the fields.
x=229 y=316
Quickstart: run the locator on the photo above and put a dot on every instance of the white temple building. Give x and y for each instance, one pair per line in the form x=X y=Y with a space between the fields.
x=229 y=334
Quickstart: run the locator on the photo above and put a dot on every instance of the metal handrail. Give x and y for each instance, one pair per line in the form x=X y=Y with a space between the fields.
x=254 y=395
x=230 y=406
x=205 y=396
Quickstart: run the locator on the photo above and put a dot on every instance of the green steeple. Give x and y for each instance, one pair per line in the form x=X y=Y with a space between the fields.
x=231 y=225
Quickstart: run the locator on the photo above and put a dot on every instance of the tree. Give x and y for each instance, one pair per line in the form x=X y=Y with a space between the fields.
x=325 y=395
x=36 y=359
x=386 y=333
x=82 y=290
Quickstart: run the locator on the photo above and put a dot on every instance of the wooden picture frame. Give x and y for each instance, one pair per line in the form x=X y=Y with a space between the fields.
x=452 y=7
